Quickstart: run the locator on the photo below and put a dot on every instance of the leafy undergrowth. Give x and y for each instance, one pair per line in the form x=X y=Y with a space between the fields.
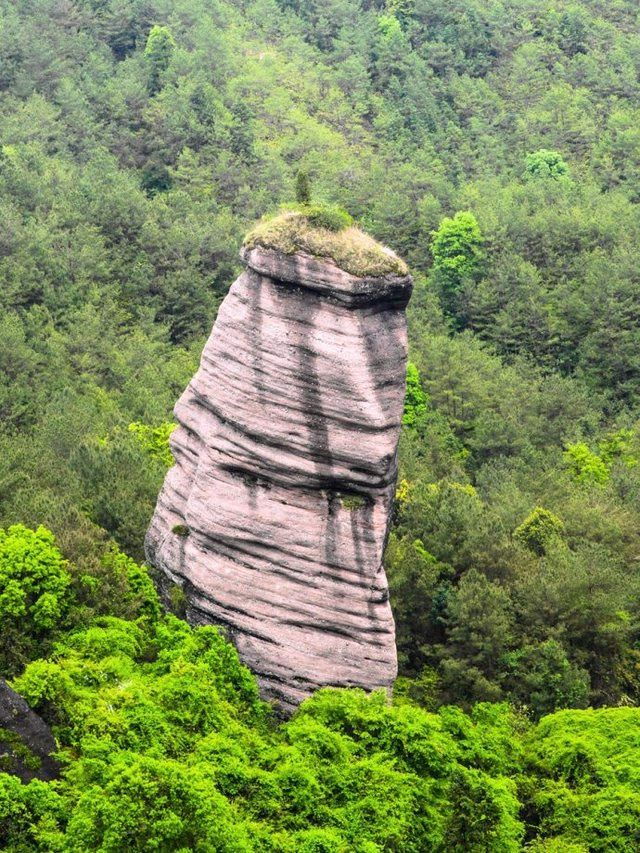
x=305 y=230
x=166 y=746
x=584 y=778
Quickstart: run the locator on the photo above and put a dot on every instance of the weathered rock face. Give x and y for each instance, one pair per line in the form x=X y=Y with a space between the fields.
x=26 y=742
x=275 y=516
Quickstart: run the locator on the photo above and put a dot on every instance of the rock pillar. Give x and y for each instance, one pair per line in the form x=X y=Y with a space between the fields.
x=275 y=515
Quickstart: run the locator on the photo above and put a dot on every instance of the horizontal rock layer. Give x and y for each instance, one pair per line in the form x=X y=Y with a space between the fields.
x=275 y=516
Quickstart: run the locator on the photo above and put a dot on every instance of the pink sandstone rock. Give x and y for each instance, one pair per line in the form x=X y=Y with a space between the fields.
x=275 y=516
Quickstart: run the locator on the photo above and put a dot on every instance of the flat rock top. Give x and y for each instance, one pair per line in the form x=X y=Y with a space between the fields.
x=346 y=264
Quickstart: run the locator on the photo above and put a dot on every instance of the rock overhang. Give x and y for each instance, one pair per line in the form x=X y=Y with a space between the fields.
x=324 y=276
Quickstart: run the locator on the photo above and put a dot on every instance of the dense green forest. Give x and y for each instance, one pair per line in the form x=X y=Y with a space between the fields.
x=495 y=145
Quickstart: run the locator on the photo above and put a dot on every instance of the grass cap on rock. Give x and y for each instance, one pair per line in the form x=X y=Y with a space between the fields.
x=325 y=231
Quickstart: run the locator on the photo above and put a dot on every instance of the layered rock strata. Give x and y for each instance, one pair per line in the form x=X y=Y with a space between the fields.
x=275 y=515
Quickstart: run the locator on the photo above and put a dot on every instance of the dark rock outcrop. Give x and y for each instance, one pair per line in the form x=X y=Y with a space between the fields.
x=275 y=516
x=26 y=741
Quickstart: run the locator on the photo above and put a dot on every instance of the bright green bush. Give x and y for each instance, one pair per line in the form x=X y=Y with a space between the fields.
x=585 y=465
x=155 y=440
x=170 y=747
x=34 y=594
x=158 y=52
x=144 y=803
x=546 y=164
x=44 y=597
x=458 y=257
x=30 y=816
x=585 y=778
x=415 y=401
x=618 y=445
x=538 y=528
x=120 y=586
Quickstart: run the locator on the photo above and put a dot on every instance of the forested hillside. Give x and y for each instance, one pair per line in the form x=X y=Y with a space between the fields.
x=495 y=145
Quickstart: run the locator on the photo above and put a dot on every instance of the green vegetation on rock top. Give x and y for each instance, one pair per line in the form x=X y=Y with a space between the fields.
x=325 y=232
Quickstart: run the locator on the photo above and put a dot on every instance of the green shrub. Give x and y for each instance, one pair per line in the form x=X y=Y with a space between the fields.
x=541 y=679
x=155 y=440
x=546 y=164
x=585 y=465
x=178 y=601
x=352 y=501
x=34 y=594
x=458 y=253
x=618 y=445
x=158 y=51
x=538 y=528
x=179 y=753
x=415 y=401
x=303 y=187
x=328 y=216
x=14 y=752
x=584 y=783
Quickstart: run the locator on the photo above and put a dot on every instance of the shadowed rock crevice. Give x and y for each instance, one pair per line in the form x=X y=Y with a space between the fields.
x=285 y=474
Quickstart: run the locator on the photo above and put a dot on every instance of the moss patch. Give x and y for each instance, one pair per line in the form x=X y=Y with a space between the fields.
x=14 y=752
x=180 y=530
x=353 y=251
x=352 y=501
x=329 y=216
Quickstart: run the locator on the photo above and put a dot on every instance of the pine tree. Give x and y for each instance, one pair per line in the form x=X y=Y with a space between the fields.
x=303 y=187
x=158 y=51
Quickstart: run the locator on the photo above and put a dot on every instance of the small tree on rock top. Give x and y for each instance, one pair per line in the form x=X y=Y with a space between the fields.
x=303 y=187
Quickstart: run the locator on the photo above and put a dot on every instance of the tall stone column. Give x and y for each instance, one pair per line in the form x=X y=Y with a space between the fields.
x=275 y=515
